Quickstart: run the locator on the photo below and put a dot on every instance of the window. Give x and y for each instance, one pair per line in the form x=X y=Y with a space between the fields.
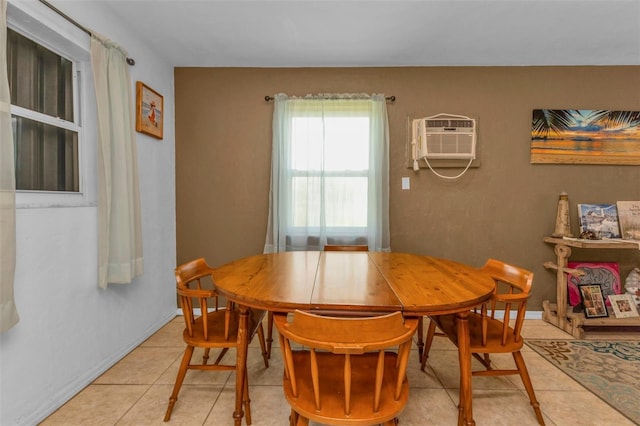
x=45 y=132
x=329 y=173
x=46 y=57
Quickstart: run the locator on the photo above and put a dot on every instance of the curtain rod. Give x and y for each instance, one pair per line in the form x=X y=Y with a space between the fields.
x=388 y=98
x=130 y=61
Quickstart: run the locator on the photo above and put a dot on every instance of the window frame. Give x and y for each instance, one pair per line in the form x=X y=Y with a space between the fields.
x=38 y=23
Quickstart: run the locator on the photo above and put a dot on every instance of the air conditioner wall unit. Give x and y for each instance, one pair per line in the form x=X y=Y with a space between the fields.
x=447 y=137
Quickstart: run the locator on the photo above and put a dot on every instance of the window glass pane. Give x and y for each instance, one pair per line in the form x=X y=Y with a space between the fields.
x=306 y=143
x=46 y=156
x=306 y=201
x=345 y=201
x=39 y=79
x=330 y=143
x=346 y=143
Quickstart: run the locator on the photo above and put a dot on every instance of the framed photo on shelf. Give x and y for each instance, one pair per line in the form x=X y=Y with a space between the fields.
x=593 y=301
x=149 y=110
x=623 y=305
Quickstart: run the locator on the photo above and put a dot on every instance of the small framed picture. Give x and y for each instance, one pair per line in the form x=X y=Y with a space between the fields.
x=623 y=305
x=149 y=110
x=593 y=301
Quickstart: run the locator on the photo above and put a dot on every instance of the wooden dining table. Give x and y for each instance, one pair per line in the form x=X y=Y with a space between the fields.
x=355 y=283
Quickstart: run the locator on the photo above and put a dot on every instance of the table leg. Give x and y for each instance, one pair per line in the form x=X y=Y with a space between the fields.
x=269 y=332
x=241 y=362
x=420 y=342
x=465 y=413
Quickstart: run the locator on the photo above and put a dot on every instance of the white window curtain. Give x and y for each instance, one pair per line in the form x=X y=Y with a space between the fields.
x=8 y=312
x=119 y=223
x=329 y=172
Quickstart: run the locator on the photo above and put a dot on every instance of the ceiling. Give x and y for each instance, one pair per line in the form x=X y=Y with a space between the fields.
x=361 y=33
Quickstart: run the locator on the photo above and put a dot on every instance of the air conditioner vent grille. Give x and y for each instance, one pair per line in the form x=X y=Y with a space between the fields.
x=449 y=125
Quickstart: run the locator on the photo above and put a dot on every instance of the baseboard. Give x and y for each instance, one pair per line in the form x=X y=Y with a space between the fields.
x=533 y=315
x=86 y=379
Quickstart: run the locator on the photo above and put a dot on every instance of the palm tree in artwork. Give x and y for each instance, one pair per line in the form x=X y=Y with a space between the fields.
x=548 y=122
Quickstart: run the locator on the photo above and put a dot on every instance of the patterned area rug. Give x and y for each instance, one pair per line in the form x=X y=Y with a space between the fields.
x=611 y=370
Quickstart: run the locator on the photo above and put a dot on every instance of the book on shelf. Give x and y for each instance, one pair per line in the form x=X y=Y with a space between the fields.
x=629 y=218
x=601 y=219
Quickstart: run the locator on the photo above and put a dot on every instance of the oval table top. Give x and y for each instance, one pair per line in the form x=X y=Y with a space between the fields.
x=353 y=281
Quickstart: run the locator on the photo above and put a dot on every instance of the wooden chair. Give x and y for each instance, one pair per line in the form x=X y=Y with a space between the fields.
x=327 y=247
x=491 y=334
x=209 y=327
x=345 y=372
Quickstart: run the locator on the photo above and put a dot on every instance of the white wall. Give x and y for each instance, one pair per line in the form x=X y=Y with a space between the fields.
x=70 y=331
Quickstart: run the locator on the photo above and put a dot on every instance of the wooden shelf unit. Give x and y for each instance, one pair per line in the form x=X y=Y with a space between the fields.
x=561 y=314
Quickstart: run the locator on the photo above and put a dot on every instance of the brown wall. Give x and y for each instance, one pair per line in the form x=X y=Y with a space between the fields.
x=501 y=209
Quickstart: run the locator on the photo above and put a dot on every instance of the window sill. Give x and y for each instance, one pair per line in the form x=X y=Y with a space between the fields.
x=44 y=199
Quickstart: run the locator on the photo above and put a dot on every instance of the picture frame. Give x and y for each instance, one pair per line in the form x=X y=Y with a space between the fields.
x=623 y=305
x=606 y=274
x=580 y=136
x=593 y=301
x=149 y=111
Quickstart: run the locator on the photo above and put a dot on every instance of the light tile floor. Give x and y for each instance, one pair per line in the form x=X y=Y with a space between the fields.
x=136 y=390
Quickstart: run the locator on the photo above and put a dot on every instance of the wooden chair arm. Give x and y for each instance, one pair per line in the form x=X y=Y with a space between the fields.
x=510 y=297
x=197 y=293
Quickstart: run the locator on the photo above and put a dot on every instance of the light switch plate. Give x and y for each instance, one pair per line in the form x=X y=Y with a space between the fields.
x=405 y=183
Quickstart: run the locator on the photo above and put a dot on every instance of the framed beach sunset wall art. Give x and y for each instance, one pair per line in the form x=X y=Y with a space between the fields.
x=581 y=136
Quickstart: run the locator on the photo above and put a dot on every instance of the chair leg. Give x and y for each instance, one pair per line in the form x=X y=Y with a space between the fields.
x=431 y=331
x=420 y=341
x=221 y=355
x=301 y=421
x=292 y=418
x=246 y=401
x=205 y=357
x=526 y=380
x=263 y=347
x=184 y=366
x=269 y=332
x=485 y=361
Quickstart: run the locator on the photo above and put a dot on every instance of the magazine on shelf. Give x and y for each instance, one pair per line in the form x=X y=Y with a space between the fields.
x=601 y=219
x=629 y=218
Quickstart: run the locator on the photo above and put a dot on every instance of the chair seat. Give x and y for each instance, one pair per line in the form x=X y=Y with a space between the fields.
x=216 y=322
x=331 y=370
x=447 y=324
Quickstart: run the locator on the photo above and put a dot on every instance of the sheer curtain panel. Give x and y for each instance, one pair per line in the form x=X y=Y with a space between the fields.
x=329 y=172
x=119 y=224
x=8 y=312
